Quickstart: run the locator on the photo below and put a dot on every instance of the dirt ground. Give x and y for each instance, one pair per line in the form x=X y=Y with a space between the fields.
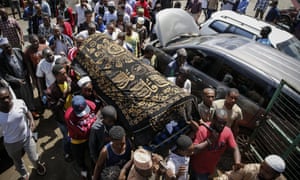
x=49 y=146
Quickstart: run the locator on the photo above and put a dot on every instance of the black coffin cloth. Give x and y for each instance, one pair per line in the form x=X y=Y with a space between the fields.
x=141 y=95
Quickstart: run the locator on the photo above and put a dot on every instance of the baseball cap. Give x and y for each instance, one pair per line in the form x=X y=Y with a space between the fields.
x=80 y=106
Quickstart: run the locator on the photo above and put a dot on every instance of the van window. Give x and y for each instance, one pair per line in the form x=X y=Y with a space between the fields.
x=219 y=26
x=239 y=31
x=205 y=63
x=248 y=85
x=290 y=47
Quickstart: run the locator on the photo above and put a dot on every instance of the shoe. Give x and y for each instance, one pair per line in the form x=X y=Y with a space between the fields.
x=68 y=157
x=35 y=115
x=25 y=177
x=83 y=175
x=41 y=169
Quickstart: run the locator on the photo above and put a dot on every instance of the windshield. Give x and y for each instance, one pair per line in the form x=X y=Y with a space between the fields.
x=290 y=47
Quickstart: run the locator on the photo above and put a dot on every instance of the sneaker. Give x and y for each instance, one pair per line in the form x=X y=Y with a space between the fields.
x=25 y=177
x=68 y=157
x=41 y=169
x=83 y=174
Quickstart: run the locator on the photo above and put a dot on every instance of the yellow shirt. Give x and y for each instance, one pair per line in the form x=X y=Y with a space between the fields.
x=133 y=40
x=64 y=87
x=78 y=141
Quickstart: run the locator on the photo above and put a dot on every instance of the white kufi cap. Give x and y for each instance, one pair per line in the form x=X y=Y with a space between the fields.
x=275 y=162
x=83 y=80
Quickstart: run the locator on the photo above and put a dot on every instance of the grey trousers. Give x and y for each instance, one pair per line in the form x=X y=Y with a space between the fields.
x=14 y=150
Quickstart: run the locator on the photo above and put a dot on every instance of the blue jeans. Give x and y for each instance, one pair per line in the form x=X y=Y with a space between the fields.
x=66 y=139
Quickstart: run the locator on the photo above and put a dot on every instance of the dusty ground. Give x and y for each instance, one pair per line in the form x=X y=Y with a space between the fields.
x=49 y=147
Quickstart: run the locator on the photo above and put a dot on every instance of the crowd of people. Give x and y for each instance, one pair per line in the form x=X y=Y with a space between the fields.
x=86 y=122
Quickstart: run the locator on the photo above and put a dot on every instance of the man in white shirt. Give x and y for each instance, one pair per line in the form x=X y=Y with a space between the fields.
x=80 y=9
x=178 y=161
x=16 y=123
x=111 y=14
x=44 y=69
x=233 y=110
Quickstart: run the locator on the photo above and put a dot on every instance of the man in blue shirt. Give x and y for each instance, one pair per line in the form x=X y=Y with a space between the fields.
x=265 y=31
x=273 y=14
x=173 y=67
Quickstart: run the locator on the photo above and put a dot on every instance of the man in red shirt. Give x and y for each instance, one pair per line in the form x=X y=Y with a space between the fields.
x=79 y=119
x=65 y=25
x=211 y=140
x=142 y=4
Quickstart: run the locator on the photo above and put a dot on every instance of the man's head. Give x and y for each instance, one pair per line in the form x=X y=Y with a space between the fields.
x=3 y=14
x=80 y=107
x=5 y=99
x=85 y=83
x=140 y=22
x=60 y=20
x=181 y=56
x=219 y=120
x=34 y=41
x=111 y=6
x=48 y=55
x=88 y=15
x=185 y=146
x=83 y=3
x=265 y=31
x=271 y=167
x=63 y=61
x=38 y=9
x=231 y=97
x=46 y=20
x=274 y=3
x=79 y=40
x=118 y=138
x=5 y=46
x=56 y=31
x=60 y=73
x=121 y=38
x=143 y=162
x=30 y=3
x=181 y=78
x=110 y=28
x=208 y=96
x=140 y=12
x=99 y=20
x=158 y=7
x=129 y=28
x=62 y=3
x=109 y=115
x=91 y=28
x=148 y=51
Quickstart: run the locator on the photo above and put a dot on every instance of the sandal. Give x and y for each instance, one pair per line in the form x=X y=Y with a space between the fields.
x=41 y=169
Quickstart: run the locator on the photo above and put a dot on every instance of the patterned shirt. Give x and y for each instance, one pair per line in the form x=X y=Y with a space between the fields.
x=261 y=5
x=45 y=31
x=10 y=29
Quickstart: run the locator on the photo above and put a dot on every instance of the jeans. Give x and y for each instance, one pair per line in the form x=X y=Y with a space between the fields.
x=209 y=12
x=14 y=150
x=15 y=5
x=66 y=139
